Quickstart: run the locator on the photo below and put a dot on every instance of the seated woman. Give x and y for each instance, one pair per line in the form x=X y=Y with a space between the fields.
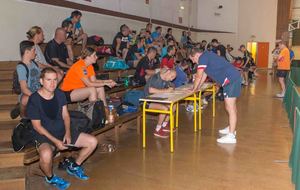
x=36 y=35
x=80 y=82
x=161 y=83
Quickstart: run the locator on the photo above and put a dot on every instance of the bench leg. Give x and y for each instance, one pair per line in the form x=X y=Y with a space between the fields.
x=138 y=125
x=117 y=132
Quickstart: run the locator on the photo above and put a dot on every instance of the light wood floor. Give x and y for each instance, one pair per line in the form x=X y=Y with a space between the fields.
x=258 y=161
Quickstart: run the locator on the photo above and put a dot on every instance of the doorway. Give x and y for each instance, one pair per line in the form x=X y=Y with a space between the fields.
x=260 y=53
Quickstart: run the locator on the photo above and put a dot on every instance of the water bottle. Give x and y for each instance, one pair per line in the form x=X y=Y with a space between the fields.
x=111 y=115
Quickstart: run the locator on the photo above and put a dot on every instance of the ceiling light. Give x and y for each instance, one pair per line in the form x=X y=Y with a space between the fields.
x=181 y=7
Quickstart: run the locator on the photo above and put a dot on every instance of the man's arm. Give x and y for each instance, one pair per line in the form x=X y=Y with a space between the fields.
x=60 y=63
x=198 y=79
x=24 y=88
x=156 y=91
x=67 y=122
x=118 y=45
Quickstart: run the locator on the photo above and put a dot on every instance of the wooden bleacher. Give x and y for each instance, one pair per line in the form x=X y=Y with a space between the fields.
x=14 y=167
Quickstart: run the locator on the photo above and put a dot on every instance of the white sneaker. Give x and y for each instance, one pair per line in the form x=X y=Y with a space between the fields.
x=227 y=139
x=190 y=108
x=225 y=131
x=204 y=101
x=280 y=95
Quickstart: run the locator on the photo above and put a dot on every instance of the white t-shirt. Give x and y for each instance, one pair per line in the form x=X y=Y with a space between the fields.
x=39 y=58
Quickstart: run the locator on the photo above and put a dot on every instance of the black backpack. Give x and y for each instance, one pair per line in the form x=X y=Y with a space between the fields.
x=16 y=88
x=80 y=121
x=22 y=135
x=95 y=111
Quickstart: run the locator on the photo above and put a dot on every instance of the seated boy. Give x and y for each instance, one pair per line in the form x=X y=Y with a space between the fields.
x=161 y=83
x=47 y=109
x=28 y=75
x=168 y=61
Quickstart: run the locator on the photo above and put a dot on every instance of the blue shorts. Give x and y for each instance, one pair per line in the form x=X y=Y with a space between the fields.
x=233 y=89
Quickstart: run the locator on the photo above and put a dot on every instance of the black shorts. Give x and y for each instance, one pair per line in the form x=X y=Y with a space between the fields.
x=282 y=73
x=40 y=139
x=68 y=96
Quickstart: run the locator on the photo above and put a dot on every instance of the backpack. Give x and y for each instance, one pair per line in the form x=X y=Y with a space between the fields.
x=16 y=88
x=133 y=97
x=95 y=111
x=95 y=40
x=114 y=63
x=22 y=135
x=80 y=122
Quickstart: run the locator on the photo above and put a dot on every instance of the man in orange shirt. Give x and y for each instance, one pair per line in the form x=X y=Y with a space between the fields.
x=283 y=68
x=80 y=82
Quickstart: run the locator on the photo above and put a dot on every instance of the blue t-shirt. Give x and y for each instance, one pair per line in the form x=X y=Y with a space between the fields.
x=181 y=77
x=218 y=68
x=164 y=51
x=49 y=112
x=155 y=35
x=33 y=80
x=77 y=25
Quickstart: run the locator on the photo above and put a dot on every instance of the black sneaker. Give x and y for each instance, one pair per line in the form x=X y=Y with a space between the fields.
x=15 y=112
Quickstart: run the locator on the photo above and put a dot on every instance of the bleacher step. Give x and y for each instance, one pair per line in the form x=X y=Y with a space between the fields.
x=9 y=158
x=8 y=65
x=8 y=99
x=12 y=178
x=5 y=115
x=6 y=129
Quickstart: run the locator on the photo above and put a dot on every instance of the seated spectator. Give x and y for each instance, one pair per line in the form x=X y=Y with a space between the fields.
x=190 y=42
x=121 y=42
x=164 y=50
x=146 y=68
x=132 y=37
x=169 y=34
x=229 y=57
x=149 y=40
x=47 y=109
x=218 y=48
x=68 y=27
x=136 y=52
x=149 y=27
x=80 y=82
x=181 y=76
x=184 y=39
x=168 y=61
x=29 y=82
x=156 y=35
x=161 y=83
x=56 y=52
x=203 y=45
x=80 y=36
x=36 y=35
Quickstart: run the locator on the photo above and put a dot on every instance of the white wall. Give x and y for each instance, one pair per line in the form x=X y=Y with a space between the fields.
x=255 y=18
x=226 y=21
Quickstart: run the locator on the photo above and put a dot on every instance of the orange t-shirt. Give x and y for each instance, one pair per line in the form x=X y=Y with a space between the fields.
x=284 y=62
x=74 y=75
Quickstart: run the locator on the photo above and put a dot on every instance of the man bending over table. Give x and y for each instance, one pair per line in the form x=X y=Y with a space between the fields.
x=222 y=72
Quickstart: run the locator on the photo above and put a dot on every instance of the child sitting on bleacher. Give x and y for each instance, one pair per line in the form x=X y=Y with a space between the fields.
x=161 y=83
x=168 y=61
x=120 y=43
x=136 y=52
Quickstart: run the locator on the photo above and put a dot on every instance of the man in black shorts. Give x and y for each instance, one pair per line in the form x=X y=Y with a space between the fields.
x=47 y=109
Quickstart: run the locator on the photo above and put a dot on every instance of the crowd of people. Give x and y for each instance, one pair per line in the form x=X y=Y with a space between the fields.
x=52 y=79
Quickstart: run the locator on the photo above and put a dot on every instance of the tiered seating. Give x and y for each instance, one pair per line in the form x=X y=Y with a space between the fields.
x=15 y=166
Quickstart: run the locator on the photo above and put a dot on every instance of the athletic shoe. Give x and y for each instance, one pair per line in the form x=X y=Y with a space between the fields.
x=58 y=182
x=280 y=95
x=15 y=112
x=161 y=134
x=190 y=108
x=225 y=131
x=77 y=172
x=204 y=101
x=167 y=128
x=227 y=139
